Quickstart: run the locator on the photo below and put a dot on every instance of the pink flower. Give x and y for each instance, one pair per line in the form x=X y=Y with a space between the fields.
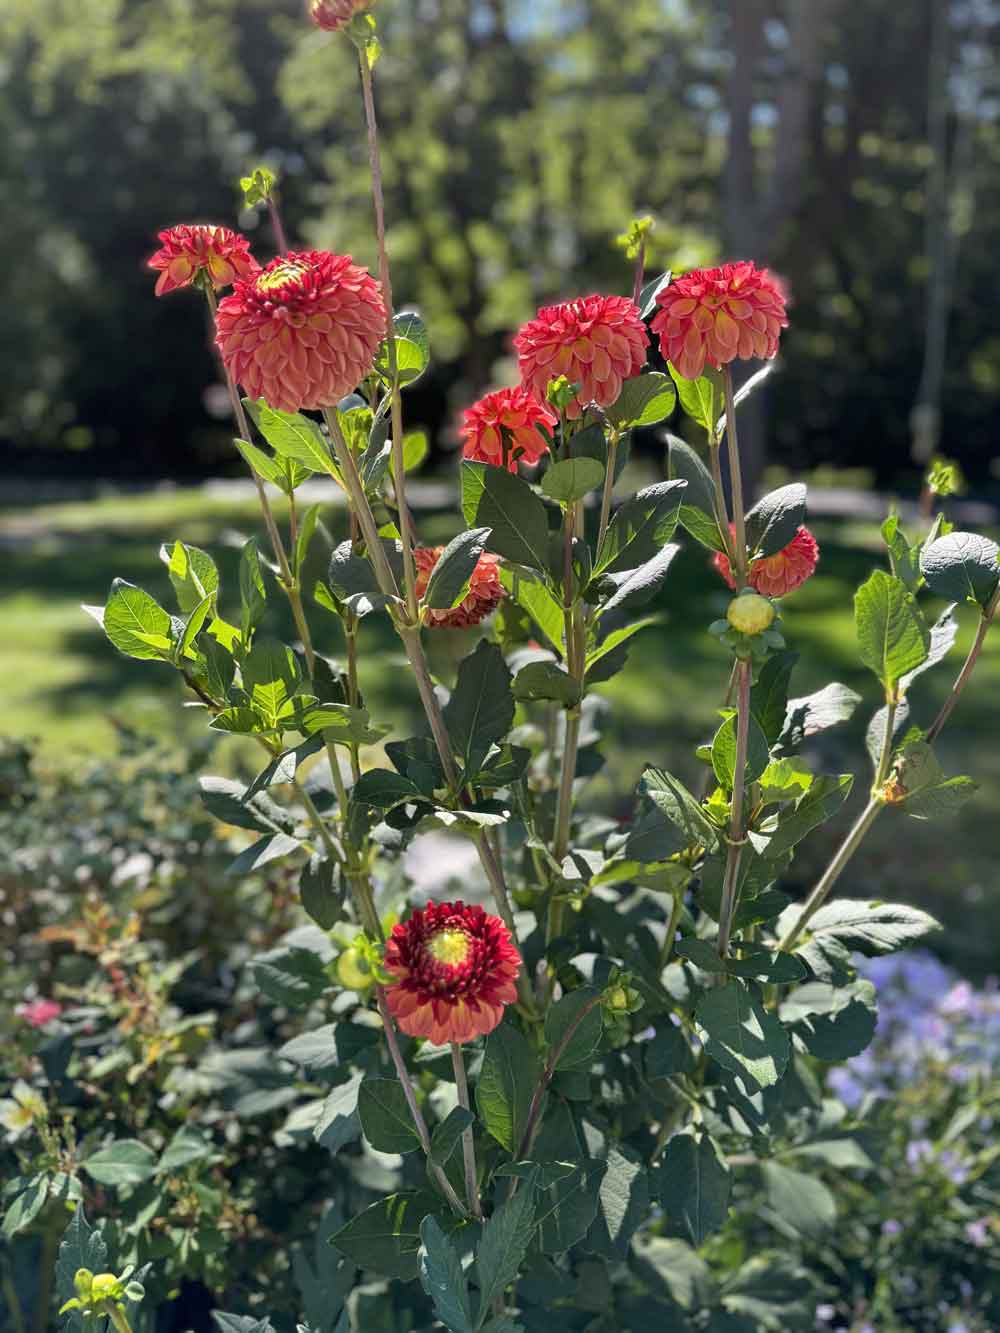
x=595 y=341
x=519 y=413
x=482 y=599
x=780 y=574
x=333 y=14
x=719 y=314
x=304 y=331
x=192 y=249
x=455 y=969
x=40 y=1012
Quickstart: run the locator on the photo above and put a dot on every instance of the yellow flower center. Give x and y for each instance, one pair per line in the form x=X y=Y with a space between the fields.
x=283 y=275
x=449 y=946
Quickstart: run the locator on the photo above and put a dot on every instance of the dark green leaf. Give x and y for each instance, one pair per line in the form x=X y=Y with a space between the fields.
x=817 y=712
x=832 y=1022
x=449 y=578
x=564 y=1016
x=692 y=1183
x=290 y=975
x=186 y=1146
x=640 y=528
x=623 y=1204
x=566 y=1207
x=229 y=802
x=741 y=1036
x=962 y=567
x=636 y=587
x=870 y=927
x=385 y=1116
x=697 y=512
x=494 y=498
x=385 y=1238
x=321 y=892
x=821 y=802
x=81 y=1247
x=442 y=1278
x=26 y=1206
x=446 y=1136
x=339 y=1124
x=769 y=696
x=506 y=1237
x=508 y=1079
x=546 y=680
x=724 y=752
x=773 y=521
x=481 y=708
x=353 y=580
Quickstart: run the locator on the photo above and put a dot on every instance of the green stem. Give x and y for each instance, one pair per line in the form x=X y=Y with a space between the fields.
x=46 y=1268
x=538 y=1097
x=735 y=481
x=961 y=680
x=609 y=486
x=117 y=1316
x=676 y=907
x=721 y=512
x=396 y=403
x=468 y=1143
x=737 y=831
x=419 y=1123
x=876 y=804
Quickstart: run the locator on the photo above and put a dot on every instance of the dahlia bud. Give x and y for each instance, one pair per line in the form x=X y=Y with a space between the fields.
x=332 y=15
x=750 y=613
x=354 y=970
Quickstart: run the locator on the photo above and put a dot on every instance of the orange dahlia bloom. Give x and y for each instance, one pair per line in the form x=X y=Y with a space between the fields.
x=777 y=575
x=333 y=14
x=191 y=249
x=304 y=331
x=455 y=969
x=717 y=315
x=595 y=341
x=483 y=597
x=519 y=413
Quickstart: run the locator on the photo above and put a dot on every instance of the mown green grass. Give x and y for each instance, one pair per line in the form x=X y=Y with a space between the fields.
x=66 y=685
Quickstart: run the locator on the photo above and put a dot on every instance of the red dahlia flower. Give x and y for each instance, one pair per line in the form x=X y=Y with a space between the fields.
x=455 y=969
x=190 y=250
x=483 y=597
x=719 y=314
x=304 y=331
x=333 y=14
x=514 y=410
x=777 y=575
x=595 y=341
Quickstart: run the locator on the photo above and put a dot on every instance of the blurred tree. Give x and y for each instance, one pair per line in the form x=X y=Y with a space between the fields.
x=519 y=137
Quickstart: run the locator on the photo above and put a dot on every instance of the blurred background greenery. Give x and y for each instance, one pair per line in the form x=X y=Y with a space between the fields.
x=851 y=146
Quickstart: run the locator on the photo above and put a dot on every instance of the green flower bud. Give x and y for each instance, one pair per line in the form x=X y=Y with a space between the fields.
x=105 y=1287
x=750 y=613
x=354 y=970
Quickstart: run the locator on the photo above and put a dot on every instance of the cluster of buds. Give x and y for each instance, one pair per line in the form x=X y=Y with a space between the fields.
x=619 y=1000
x=103 y=1294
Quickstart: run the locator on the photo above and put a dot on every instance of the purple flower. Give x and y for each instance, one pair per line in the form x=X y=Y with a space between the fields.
x=890 y=1227
x=978 y=1232
x=919 y=1151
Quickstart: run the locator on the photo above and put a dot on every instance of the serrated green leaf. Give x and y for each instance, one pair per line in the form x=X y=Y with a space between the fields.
x=741 y=1036
x=385 y=1116
x=692 y=1183
x=892 y=634
x=640 y=528
x=136 y=623
x=506 y=1237
x=442 y=1278
x=292 y=435
x=385 y=1238
x=446 y=1136
x=494 y=498
x=507 y=1082
x=481 y=708
x=577 y=1015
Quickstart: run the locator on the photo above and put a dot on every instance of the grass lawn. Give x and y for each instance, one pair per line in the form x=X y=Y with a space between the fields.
x=66 y=685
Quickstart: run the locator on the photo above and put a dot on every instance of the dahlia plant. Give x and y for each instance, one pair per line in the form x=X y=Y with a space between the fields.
x=580 y=1048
